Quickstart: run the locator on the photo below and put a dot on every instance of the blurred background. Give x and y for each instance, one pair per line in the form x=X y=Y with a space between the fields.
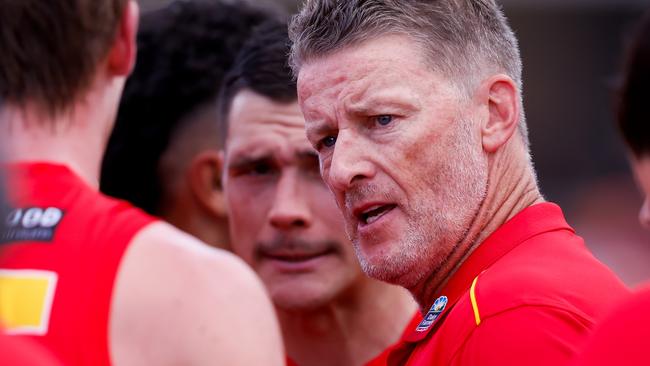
x=572 y=51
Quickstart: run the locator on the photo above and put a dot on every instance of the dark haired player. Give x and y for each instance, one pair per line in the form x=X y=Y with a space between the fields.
x=162 y=155
x=284 y=221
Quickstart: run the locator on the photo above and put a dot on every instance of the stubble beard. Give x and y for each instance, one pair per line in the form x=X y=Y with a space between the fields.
x=438 y=221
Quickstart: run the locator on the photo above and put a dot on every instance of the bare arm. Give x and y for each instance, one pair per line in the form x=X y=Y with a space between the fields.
x=176 y=301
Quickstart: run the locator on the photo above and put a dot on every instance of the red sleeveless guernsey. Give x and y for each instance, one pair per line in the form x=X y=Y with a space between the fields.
x=59 y=254
x=21 y=352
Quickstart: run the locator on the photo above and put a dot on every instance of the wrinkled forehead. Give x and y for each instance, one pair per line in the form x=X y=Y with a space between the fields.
x=342 y=67
x=258 y=124
x=379 y=45
x=389 y=63
x=271 y=137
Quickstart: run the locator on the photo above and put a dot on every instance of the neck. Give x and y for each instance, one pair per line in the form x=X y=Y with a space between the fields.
x=350 y=330
x=210 y=230
x=512 y=187
x=75 y=137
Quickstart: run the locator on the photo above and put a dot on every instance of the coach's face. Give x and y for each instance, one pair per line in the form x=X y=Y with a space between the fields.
x=642 y=171
x=399 y=150
x=283 y=220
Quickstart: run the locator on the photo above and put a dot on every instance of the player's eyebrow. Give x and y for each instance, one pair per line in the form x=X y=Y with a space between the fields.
x=244 y=160
x=379 y=104
x=318 y=128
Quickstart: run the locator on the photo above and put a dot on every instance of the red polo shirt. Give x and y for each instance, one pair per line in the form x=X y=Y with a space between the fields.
x=528 y=295
x=623 y=337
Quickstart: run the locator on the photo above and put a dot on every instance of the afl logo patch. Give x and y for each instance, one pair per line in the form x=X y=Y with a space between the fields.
x=433 y=313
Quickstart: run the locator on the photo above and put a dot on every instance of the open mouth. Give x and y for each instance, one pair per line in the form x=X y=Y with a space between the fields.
x=373 y=213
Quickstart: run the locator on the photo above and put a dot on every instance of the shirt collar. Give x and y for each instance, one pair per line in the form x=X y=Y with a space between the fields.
x=531 y=221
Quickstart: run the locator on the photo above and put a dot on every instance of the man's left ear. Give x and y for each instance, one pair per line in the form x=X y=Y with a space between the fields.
x=500 y=94
x=121 y=57
x=205 y=182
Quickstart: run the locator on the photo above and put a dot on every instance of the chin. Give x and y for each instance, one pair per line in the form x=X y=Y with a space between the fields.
x=301 y=297
x=390 y=273
x=396 y=267
x=296 y=302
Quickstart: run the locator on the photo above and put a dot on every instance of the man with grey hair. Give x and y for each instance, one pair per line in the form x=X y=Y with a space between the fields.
x=415 y=110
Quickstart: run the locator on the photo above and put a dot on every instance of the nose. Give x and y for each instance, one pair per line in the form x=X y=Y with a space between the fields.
x=291 y=209
x=644 y=214
x=349 y=163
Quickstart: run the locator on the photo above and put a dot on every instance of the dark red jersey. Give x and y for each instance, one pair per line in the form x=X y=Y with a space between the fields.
x=59 y=255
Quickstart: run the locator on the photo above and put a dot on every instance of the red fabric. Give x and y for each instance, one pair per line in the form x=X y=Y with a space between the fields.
x=23 y=352
x=85 y=254
x=623 y=338
x=538 y=293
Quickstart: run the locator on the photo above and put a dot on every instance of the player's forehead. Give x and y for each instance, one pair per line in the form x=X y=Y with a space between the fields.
x=259 y=125
x=355 y=73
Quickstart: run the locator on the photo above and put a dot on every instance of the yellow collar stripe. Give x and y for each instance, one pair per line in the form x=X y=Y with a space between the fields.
x=472 y=296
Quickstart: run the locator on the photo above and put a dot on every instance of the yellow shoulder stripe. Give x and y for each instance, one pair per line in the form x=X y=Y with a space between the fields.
x=472 y=296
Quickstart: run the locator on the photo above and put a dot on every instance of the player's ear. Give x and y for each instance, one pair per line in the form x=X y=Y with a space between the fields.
x=121 y=57
x=499 y=94
x=205 y=182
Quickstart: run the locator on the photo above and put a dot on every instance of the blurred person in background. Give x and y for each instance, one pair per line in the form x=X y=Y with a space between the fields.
x=90 y=278
x=633 y=113
x=284 y=221
x=623 y=337
x=162 y=155
x=415 y=109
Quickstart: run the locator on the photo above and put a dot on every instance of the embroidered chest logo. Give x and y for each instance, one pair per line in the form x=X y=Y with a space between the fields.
x=433 y=313
x=30 y=224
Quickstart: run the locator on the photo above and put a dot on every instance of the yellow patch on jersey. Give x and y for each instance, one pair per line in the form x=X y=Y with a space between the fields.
x=26 y=298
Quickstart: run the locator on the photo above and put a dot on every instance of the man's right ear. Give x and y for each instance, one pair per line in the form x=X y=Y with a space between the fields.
x=121 y=57
x=501 y=98
x=205 y=182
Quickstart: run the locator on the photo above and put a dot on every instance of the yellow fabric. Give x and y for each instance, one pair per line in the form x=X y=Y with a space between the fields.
x=25 y=300
x=472 y=296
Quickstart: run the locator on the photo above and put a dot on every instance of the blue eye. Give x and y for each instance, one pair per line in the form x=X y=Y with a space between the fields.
x=384 y=119
x=328 y=141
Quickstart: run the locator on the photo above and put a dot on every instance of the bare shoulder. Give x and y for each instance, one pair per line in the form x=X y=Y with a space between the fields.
x=178 y=301
x=163 y=244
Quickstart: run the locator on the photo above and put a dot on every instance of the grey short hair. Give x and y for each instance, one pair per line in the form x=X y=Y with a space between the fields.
x=463 y=39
